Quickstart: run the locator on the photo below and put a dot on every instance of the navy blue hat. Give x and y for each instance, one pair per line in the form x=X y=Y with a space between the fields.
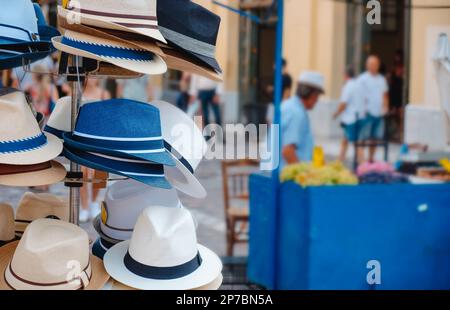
x=121 y=128
x=141 y=171
x=25 y=36
x=195 y=33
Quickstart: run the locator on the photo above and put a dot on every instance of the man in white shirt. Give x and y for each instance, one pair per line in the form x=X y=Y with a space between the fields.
x=208 y=92
x=375 y=94
x=351 y=112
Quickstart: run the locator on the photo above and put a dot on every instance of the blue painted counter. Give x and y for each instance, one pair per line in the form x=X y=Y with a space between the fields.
x=327 y=235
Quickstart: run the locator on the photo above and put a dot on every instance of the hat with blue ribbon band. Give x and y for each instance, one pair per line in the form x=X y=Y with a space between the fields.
x=25 y=36
x=119 y=53
x=163 y=253
x=121 y=128
x=21 y=140
x=139 y=170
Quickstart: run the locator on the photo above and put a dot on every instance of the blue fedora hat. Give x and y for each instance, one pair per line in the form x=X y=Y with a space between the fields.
x=121 y=128
x=139 y=170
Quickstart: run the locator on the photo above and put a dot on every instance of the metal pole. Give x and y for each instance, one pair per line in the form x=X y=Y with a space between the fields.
x=74 y=193
x=277 y=121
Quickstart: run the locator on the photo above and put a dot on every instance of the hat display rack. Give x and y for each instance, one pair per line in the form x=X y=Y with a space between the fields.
x=116 y=40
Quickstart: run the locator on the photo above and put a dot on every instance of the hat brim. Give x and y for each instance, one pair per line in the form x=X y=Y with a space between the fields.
x=139 y=41
x=159 y=182
x=102 y=22
x=114 y=285
x=154 y=67
x=175 y=41
x=178 y=60
x=98 y=229
x=208 y=271
x=183 y=180
x=98 y=250
x=163 y=158
x=48 y=152
x=10 y=60
x=52 y=175
x=98 y=280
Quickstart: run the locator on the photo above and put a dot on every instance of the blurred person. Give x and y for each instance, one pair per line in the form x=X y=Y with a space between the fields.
x=297 y=139
x=286 y=94
x=139 y=89
x=208 y=92
x=351 y=113
x=42 y=91
x=183 y=96
x=89 y=205
x=23 y=80
x=375 y=96
x=285 y=76
x=396 y=82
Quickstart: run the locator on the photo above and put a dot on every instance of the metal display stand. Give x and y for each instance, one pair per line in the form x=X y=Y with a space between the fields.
x=72 y=67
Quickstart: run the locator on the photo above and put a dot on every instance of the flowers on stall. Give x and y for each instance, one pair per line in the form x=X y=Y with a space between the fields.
x=307 y=174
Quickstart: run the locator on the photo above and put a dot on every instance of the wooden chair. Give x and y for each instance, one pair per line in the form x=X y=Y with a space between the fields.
x=235 y=176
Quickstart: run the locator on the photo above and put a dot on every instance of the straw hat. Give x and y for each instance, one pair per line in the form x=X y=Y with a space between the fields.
x=46 y=173
x=21 y=140
x=175 y=59
x=35 y=206
x=118 y=53
x=187 y=145
x=116 y=223
x=6 y=223
x=52 y=255
x=132 y=16
x=163 y=253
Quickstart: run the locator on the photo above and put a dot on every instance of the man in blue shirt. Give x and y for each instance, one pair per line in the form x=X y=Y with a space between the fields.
x=296 y=134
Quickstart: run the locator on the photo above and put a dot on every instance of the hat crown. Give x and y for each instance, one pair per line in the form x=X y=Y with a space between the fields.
x=34 y=206
x=61 y=116
x=164 y=237
x=48 y=249
x=137 y=196
x=17 y=122
x=180 y=131
x=20 y=18
x=119 y=118
x=199 y=23
x=312 y=78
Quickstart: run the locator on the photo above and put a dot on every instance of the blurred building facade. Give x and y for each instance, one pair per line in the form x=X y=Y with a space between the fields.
x=327 y=36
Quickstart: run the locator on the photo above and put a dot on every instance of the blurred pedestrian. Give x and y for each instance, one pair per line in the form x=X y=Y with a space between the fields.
x=351 y=113
x=139 y=89
x=286 y=91
x=42 y=91
x=375 y=96
x=297 y=138
x=90 y=207
x=183 y=96
x=209 y=93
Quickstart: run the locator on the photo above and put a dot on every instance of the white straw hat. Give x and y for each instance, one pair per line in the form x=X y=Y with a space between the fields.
x=118 y=53
x=163 y=253
x=21 y=140
x=313 y=79
x=135 y=16
x=116 y=223
x=185 y=141
x=52 y=255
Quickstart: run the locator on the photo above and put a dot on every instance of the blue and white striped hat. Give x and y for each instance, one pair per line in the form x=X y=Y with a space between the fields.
x=121 y=128
x=21 y=140
x=118 y=53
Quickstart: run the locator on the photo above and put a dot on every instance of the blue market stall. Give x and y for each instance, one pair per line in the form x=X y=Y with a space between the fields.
x=346 y=237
